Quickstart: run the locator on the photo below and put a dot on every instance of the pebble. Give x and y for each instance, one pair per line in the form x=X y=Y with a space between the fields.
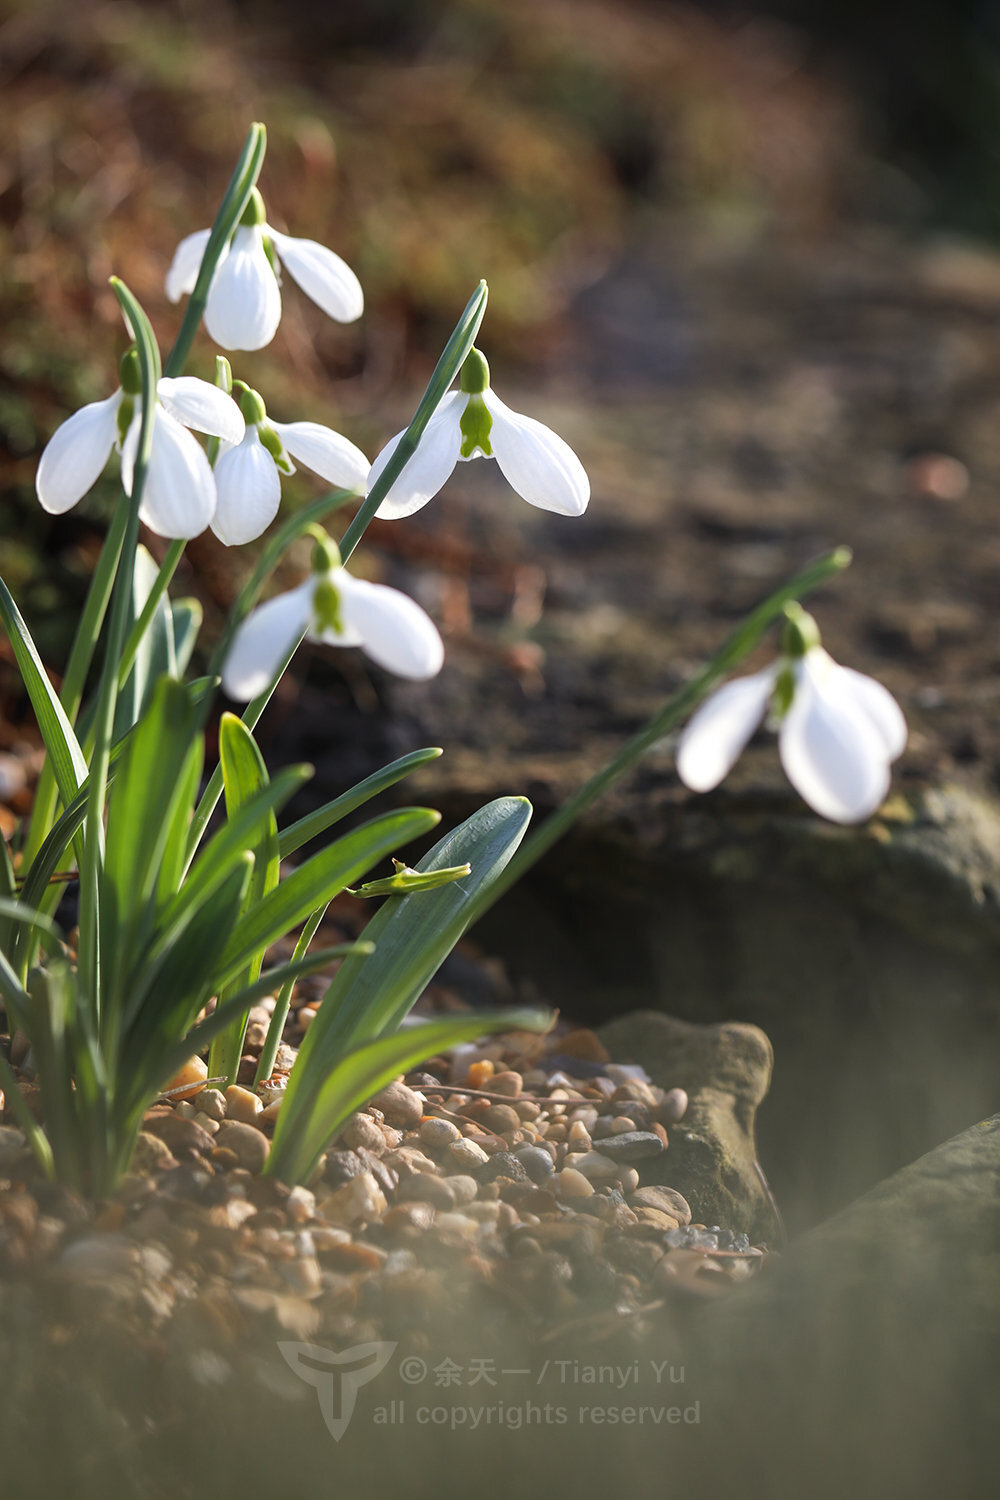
x=578 y=1138
x=400 y=1105
x=674 y=1106
x=456 y=1224
x=655 y=1218
x=692 y=1237
x=594 y=1165
x=95 y=1256
x=536 y=1161
x=250 y=1146
x=362 y=1130
x=463 y=1188
x=508 y=1083
x=300 y=1205
x=340 y=1166
x=188 y=1080
x=666 y=1199
x=503 y=1164
x=305 y=1016
x=242 y=1104
x=467 y=1153
x=422 y=1187
x=635 y=1145
x=212 y=1103
x=183 y=1137
x=360 y=1198
x=436 y=1133
x=573 y=1184
x=152 y=1154
x=502 y=1119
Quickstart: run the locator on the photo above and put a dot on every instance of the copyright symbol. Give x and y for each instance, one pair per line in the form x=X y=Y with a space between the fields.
x=413 y=1370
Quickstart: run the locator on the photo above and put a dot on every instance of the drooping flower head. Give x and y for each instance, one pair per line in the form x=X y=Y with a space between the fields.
x=838 y=730
x=248 y=476
x=243 y=309
x=336 y=609
x=179 y=495
x=473 y=422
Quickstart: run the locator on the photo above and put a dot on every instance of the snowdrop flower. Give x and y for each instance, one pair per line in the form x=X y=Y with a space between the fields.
x=247 y=476
x=338 y=610
x=178 y=496
x=473 y=422
x=838 y=730
x=243 y=309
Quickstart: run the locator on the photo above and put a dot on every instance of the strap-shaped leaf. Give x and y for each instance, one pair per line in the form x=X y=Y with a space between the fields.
x=299 y=1142
x=412 y=935
x=314 y=823
x=57 y=732
x=319 y=880
x=244 y=774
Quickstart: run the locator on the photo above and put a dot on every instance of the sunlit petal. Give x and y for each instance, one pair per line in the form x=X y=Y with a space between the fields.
x=249 y=490
x=76 y=453
x=429 y=468
x=878 y=704
x=178 y=497
x=715 y=736
x=536 y=462
x=393 y=630
x=204 y=407
x=321 y=274
x=244 y=304
x=832 y=753
x=186 y=264
x=262 y=642
x=328 y=454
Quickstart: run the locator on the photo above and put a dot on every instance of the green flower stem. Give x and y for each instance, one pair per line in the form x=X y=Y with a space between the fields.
x=168 y=568
x=237 y=196
x=81 y=655
x=276 y=1027
x=739 y=644
x=214 y=789
x=453 y=357
x=90 y=869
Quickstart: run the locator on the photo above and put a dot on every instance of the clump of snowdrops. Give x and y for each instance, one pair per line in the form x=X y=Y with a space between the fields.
x=176 y=912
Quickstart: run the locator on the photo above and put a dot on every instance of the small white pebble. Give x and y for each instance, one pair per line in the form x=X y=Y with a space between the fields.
x=467 y=1153
x=305 y=1015
x=573 y=1184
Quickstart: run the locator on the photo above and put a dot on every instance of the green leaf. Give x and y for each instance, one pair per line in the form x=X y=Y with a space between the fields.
x=319 y=880
x=299 y=1142
x=243 y=775
x=151 y=786
x=412 y=936
x=293 y=837
x=57 y=732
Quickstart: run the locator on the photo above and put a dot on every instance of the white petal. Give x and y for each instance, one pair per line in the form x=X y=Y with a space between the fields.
x=244 y=304
x=178 y=497
x=537 y=463
x=249 y=490
x=394 y=631
x=262 y=642
x=713 y=739
x=429 y=468
x=76 y=453
x=186 y=264
x=328 y=454
x=202 y=406
x=878 y=704
x=323 y=276
x=832 y=753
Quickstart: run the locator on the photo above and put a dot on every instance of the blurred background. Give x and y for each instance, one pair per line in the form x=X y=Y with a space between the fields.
x=744 y=257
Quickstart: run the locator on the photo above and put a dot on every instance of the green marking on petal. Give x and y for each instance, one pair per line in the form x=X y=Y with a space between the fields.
x=326 y=553
x=125 y=413
x=326 y=607
x=783 y=693
x=476 y=424
x=130 y=373
x=475 y=376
